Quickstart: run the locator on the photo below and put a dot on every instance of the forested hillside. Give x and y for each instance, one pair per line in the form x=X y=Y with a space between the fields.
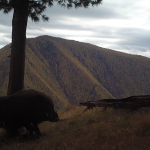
x=72 y=71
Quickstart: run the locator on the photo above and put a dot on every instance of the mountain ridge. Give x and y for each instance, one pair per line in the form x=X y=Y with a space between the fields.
x=72 y=71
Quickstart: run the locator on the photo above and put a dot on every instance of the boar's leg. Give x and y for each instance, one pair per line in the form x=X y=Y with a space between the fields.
x=36 y=129
x=29 y=128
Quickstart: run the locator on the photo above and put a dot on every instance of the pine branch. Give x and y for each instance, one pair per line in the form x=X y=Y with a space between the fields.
x=37 y=7
x=45 y=18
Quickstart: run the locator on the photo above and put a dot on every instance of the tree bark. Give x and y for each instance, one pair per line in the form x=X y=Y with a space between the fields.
x=17 y=63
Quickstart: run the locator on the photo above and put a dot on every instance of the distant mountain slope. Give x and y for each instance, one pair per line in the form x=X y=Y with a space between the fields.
x=72 y=71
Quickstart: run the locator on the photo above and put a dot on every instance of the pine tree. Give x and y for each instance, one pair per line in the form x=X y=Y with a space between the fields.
x=22 y=10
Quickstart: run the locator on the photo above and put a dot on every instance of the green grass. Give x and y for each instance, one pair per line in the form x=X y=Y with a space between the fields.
x=92 y=130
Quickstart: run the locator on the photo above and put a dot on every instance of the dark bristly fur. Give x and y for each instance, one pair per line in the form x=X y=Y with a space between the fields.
x=26 y=108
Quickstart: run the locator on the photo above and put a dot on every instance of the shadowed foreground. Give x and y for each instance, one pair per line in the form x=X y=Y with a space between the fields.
x=93 y=130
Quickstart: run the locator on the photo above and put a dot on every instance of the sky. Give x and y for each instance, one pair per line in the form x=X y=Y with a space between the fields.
x=121 y=25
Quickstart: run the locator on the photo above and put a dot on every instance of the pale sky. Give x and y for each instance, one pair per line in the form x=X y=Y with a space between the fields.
x=122 y=25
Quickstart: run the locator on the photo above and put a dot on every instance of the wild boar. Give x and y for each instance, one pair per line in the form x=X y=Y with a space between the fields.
x=26 y=108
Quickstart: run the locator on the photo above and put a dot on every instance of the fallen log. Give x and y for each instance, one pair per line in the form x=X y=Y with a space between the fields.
x=132 y=102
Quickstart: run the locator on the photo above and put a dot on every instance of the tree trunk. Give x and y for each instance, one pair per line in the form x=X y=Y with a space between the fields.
x=17 y=63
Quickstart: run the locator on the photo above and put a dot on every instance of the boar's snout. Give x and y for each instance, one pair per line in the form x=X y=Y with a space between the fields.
x=54 y=117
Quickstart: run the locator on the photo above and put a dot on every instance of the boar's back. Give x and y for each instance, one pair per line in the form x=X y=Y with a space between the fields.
x=26 y=105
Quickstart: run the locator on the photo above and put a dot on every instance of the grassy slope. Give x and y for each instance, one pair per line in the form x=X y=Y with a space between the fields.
x=74 y=79
x=73 y=71
x=93 y=130
x=51 y=68
x=119 y=73
x=38 y=76
x=4 y=69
